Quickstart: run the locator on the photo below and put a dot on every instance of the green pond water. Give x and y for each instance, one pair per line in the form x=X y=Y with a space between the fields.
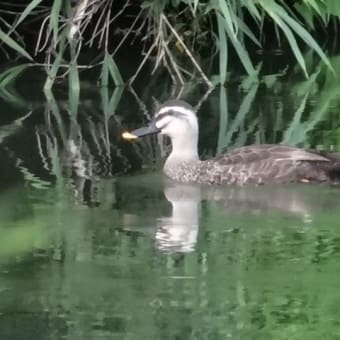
x=96 y=244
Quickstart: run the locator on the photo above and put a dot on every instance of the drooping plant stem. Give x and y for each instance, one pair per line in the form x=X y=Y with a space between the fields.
x=177 y=36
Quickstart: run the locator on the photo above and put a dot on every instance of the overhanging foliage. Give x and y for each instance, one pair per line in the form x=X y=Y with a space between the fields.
x=178 y=35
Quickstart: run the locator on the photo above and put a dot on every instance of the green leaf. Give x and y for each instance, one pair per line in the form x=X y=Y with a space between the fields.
x=289 y=25
x=9 y=75
x=241 y=115
x=104 y=75
x=252 y=9
x=74 y=83
x=307 y=13
x=240 y=50
x=228 y=17
x=52 y=72
x=223 y=53
x=27 y=11
x=113 y=102
x=245 y=29
x=307 y=38
x=54 y=19
x=114 y=71
x=223 y=106
x=109 y=67
x=291 y=40
x=14 y=45
x=293 y=135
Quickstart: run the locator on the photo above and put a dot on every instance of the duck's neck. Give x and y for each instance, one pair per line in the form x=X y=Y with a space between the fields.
x=184 y=149
x=183 y=161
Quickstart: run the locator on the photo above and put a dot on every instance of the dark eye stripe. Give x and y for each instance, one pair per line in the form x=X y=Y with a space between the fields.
x=169 y=113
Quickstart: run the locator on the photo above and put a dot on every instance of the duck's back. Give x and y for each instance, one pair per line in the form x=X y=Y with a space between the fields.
x=268 y=163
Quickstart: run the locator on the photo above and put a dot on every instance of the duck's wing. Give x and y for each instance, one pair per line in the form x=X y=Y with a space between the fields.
x=270 y=164
x=267 y=152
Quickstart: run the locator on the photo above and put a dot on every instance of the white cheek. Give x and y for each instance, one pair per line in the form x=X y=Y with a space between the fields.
x=174 y=129
x=163 y=122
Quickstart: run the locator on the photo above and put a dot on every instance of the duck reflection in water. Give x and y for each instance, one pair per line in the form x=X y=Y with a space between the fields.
x=177 y=231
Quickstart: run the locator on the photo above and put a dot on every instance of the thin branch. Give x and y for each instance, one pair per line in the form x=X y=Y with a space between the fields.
x=105 y=28
x=140 y=103
x=180 y=92
x=159 y=40
x=132 y=79
x=203 y=99
x=127 y=33
x=101 y=16
x=193 y=60
x=174 y=64
x=191 y=75
x=40 y=35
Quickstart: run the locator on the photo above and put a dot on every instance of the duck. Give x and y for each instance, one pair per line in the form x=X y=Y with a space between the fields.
x=253 y=164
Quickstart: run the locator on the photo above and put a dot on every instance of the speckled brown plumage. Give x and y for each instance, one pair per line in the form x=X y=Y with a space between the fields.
x=258 y=164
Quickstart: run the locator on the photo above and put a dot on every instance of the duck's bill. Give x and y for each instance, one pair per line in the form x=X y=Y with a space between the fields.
x=144 y=131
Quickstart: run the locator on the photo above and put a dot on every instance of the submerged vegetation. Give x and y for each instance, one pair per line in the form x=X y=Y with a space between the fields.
x=180 y=36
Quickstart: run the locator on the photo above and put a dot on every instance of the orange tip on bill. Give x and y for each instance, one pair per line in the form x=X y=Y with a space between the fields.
x=129 y=136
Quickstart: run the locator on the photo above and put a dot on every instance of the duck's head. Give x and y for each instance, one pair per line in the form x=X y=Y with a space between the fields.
x=174 y=118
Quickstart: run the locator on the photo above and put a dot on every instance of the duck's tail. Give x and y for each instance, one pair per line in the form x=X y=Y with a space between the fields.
x=329 y=171
x=334 y=168
x=333 y=156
